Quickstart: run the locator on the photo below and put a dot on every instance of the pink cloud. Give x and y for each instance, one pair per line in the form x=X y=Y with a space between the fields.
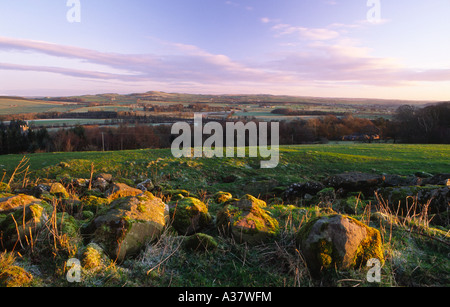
x=306 y=33
x=322 y=60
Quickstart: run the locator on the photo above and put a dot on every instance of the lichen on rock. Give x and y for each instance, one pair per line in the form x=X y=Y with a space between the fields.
x=200 y=242
x=338 y=241
x=247 y=220
x=118 y=190
x=189 y=215
x=128 y=224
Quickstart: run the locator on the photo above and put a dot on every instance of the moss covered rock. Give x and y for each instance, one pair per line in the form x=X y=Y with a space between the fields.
x=94 y=258
x=128 y=224
x=118 y=190
x=200 y=242
x=15 y=277
x=59 y=190
x=189 y=215
x=222 y=197
x=340 y=242
x=19 y=228
x=354 y=182
x=12 y=203
x=172 y=192
x=247 y=220
x=93 y=203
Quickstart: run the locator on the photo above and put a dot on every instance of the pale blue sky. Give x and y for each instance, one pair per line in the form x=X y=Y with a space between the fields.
x=295 y=47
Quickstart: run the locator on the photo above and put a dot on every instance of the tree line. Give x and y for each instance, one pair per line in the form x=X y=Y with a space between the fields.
x=410 y=124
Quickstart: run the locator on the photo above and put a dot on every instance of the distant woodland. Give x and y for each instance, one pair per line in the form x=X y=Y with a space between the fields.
x=427 y=125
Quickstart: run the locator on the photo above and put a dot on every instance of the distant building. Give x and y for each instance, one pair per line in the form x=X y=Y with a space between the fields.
x=361 y=137
x=24 y=129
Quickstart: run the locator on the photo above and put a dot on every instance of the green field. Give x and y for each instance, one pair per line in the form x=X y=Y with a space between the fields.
x=415 y=253
x=297 y=163
x=20 y=106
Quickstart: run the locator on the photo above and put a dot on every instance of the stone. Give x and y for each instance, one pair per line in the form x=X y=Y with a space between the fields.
x=58 y=190
x=299 y=190
x=200 y=242
x=118 y=190
x=16 y=202
x=338 y=241
x=396 y=180
x=106 y=177
x=355 y=182
x=247 y=221
x=20 y=227
x=146 y=185
x=15 y=277
x=100 y=183
x=171 y=193
x=40 y=189
x=222 y=197
x=189 y=215
x=439 y=179
x=93 y=203
x=327 y=195
x=123 y=230
x=93 y=258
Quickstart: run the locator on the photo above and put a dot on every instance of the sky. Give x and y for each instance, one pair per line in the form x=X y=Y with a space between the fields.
x=326 y=48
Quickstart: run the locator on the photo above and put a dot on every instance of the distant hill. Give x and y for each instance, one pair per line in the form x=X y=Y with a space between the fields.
x=254 y=98
x=11 y=105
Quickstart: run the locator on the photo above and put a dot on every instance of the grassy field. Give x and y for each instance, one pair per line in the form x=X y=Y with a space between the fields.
x=15 y=106
x=297 y=163
x=415 y=255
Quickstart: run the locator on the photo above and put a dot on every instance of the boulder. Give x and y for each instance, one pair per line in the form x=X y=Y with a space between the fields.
x=200 y=242
x=106 y=177
x=222 y=197
x=118 y=190
x=246 y=220
x=15 y=277
x=19 y=228
x=129 y=223
x=146 y=185
x=396 y=180
x=355 y=182
x=338 y=241
x=100 y=183
x=93 y=203
x=94 y=258
x=171 y=193
x=439 y=179
x=40 y=190
x=189 y=215
x=58 y=190
x=16 y=202
x=299 y=190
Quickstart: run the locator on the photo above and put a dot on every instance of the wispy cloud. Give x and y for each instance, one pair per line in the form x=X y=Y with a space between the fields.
x=325 y=57
x=187 y=62
x=306 y=33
